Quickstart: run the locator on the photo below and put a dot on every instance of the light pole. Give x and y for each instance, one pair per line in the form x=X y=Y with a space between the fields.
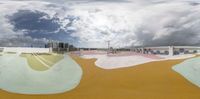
x=108 y=47
x=68 y=47
x=50 y=45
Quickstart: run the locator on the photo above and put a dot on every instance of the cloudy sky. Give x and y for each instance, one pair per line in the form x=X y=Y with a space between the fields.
x=91 y=23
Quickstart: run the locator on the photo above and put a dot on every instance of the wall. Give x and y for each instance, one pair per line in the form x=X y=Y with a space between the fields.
x=25 y=50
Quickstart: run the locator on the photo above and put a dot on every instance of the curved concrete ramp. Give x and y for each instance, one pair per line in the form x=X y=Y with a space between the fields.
x=190 y=69
x=17 y=76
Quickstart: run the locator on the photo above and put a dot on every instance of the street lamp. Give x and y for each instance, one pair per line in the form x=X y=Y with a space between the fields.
x=108 y=47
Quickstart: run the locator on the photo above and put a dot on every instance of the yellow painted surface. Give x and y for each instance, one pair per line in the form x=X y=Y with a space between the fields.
x=10 y=52
x=37 y=65
x=53 y=58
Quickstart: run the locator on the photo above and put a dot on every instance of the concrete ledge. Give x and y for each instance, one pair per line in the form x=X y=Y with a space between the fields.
x=25 y=50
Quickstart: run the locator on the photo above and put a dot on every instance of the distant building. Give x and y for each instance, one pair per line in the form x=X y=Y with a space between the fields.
x=60 y=47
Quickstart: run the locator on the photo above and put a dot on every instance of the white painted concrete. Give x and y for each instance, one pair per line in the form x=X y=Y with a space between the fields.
x=182 y=56
x=25 y=50
x=190 y=69
x=105 y=62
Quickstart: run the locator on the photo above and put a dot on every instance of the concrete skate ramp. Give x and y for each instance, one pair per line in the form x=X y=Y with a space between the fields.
x=190 y=69
x=17 y=76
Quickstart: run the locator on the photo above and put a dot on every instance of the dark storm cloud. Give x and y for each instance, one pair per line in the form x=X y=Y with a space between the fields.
x=177 y=34
x=34 y=21
x=181 y=37
x=194 y=3
x=36 y=24
x=25 y=41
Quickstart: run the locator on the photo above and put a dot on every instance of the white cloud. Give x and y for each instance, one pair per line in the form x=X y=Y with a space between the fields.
x=137 y=22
